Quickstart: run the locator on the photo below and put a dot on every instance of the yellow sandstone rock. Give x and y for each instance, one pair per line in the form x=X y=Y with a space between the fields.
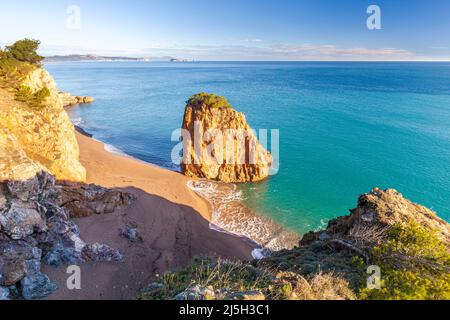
x=36 y=139
x=218 y=143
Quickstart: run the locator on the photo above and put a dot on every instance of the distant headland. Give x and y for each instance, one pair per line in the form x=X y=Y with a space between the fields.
x=99 y=58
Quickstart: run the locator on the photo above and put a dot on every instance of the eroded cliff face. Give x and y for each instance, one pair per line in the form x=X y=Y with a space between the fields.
x=36 y=139
x=219 y=144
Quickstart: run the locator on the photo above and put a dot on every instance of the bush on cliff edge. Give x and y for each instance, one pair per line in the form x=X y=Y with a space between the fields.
x=16 y=62
x=25 y=51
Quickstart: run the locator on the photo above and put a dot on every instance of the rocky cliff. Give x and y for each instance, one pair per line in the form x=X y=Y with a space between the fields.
x=406 y=242
x=33 y=139
x=219 y=144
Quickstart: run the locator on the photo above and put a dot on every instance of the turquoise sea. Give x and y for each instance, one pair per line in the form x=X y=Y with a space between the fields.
x=344 y=127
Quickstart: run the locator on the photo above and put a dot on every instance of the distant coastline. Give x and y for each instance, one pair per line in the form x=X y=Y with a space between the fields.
x=98 y=58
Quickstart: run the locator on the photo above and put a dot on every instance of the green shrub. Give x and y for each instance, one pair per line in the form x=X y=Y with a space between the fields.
x=24 y=94
x=25 y=51
x=209 y=99
x=35 y=100
x=13 y=71
x=415 y=265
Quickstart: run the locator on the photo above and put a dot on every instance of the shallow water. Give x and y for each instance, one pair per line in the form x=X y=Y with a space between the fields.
x=344 y=127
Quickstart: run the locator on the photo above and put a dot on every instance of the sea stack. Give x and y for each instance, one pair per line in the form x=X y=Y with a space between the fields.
x=218 y=143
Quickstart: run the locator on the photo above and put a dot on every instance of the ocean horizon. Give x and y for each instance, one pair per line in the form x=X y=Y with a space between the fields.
x=345 y=127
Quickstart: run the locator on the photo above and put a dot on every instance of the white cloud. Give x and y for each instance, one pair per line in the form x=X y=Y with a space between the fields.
x=253 y=40
x=304 y=52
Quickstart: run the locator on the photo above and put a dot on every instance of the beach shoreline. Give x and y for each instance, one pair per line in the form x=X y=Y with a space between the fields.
x=113 y=170
x=219 y=203
x=173 y=221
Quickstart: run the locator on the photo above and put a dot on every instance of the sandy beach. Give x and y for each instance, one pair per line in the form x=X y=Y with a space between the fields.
x=172 y=219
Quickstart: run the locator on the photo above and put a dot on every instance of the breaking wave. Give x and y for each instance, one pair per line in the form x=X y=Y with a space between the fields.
x=232 y=216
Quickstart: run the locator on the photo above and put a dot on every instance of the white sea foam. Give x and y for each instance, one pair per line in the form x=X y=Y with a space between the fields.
x=77 y=121
x=112 y=149
x=230 y=215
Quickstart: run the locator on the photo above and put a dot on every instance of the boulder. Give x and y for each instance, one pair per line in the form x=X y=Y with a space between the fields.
x=37 y=286
x=131 y=234
x=4 y=294
x=16 y=259
x=18 y=221
x=196 y=293
x=84 y=200
x=101 y=253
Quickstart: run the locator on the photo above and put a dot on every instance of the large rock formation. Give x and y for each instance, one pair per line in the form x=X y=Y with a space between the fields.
x=219 y=144
x=36 y=139
x=378 y=211
x=36 y=227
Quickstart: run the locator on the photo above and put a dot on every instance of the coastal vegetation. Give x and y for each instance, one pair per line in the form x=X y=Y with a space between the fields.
x=16 y=63
x=210 y=279
x=35 y=100
x=407 y=242
x=415 y=264
x=209 y=99
x=25 y=51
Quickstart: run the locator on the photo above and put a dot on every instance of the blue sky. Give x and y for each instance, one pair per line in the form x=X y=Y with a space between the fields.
x=235 y=29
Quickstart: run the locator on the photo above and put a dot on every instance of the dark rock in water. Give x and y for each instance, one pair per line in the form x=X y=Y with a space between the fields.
x=131 y=234
x=4 y=294
x=101 y=253
x=37 y=286
x=83 y=132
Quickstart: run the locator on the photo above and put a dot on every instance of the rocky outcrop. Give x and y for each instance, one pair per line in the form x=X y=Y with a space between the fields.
x=376 y=212
x=405 y=241
x=36 y=139
x=36 y=227
x=69 y=100
x=86 y=200
x=219 y=144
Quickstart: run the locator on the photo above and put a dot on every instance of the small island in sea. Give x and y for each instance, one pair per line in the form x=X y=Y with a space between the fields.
x=139 y=231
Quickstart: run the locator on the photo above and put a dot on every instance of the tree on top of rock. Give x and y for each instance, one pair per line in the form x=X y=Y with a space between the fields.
x=25 y=50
